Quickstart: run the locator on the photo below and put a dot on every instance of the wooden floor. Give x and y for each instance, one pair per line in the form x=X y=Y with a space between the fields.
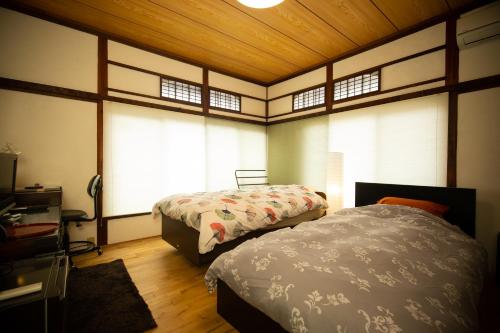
x=172 y=287
x=174 y=290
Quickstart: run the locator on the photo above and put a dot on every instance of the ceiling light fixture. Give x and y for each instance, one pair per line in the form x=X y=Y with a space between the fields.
x=260 y=3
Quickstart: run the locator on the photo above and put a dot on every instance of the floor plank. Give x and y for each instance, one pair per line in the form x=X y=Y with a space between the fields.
x=172 y=287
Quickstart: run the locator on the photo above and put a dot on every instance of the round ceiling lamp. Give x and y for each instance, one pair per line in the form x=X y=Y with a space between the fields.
x=260 y=3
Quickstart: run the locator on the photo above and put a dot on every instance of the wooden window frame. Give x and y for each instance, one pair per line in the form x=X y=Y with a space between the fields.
x=222 y=91
x=353 y=76
x=177 y=80
x=307 y=90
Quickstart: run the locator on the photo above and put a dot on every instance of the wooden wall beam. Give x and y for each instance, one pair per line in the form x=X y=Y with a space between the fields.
x=102 y=89
x=329 y=86
x=451 y=67
x=205 y=92
x=48 y=90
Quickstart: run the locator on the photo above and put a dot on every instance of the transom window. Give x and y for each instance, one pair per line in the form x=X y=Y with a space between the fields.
x=224 y=100
x=357 y=85
x=180 y=91
x=309 y=98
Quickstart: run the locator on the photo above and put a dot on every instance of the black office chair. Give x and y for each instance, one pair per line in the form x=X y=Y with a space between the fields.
x=68 y=215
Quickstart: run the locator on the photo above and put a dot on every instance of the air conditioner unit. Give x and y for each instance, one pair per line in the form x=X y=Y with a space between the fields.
x=479 y=25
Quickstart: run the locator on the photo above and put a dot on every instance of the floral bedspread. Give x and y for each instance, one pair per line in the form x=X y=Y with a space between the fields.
x=225 y=215
x=376 y=268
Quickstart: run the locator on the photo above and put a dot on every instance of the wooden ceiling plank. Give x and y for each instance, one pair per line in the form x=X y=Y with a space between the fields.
x=169 y=23
x=328 y=23
x=140 y=35
x=290 y=18
x=386 y=17
x=358 y=19
x=225 y=36
x=406 y=13
x=228 y=20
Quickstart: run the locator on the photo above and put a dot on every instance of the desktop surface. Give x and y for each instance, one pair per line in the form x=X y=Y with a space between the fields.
x=15 y=249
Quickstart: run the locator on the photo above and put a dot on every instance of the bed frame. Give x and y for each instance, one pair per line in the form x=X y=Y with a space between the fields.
x=185 y=239
x=462 y=203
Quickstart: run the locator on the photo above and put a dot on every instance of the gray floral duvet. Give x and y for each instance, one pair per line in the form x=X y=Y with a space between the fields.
x=376 y=268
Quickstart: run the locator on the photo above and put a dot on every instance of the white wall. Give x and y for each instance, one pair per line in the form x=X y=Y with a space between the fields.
x=39 y=51
x=57 y=136
x=280 y=105
x=58 y=141
x=478 y=152
x=411 y=44
x=122 y=230
x=136 y=81
x=250 y=106
x=153 y=62
x=222 y=81
x=478 y=159
x=393 y=76
x=306 y=80
x=481 y=59
x=412 y=71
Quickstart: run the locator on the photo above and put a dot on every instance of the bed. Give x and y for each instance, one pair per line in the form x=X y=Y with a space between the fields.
x=371 y=289
x=186 y=218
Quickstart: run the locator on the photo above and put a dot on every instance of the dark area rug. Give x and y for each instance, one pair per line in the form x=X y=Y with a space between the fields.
x=103 y=298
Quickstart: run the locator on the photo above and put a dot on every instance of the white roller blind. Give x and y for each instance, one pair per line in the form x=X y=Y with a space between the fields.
x=232 y=146
x=149 y=154
x=402 y=143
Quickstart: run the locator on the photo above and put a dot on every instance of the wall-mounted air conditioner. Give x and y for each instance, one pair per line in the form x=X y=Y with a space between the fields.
x=479 y=25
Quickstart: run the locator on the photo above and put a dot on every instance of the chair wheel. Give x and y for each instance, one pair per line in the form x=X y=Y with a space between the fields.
x=99 y=252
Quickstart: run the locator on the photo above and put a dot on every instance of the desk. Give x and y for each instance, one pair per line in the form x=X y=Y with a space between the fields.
x=41 y=311
x=51 y=196
x=40 y=245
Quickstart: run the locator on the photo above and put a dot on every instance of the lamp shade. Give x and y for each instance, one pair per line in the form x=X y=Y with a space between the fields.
x=260 y=3
x=335 y=180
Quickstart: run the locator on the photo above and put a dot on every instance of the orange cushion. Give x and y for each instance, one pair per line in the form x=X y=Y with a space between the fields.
x=429 y=206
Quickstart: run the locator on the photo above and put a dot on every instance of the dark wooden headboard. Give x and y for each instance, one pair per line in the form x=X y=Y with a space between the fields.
x=462 y=201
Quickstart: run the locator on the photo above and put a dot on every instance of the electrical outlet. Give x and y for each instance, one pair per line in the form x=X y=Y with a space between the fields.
x=91 y=239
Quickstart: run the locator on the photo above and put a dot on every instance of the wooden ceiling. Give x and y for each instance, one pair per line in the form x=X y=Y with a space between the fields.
x=263 y=45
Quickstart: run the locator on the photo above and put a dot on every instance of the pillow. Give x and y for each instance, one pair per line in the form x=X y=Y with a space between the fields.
x=429 y=206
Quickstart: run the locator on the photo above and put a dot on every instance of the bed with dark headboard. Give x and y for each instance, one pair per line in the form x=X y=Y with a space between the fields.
x=461 y=203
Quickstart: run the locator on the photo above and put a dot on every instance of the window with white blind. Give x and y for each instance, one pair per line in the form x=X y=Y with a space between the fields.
x=357 y=85
x=148 y=154
x=232 y=146
x=400 y=143
x=309 y=98
x=151 y=153
x=180 y=91
x=224 y=100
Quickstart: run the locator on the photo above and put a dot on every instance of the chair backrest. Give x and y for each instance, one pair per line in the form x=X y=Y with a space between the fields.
x=93 y=190
x=95 y=185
